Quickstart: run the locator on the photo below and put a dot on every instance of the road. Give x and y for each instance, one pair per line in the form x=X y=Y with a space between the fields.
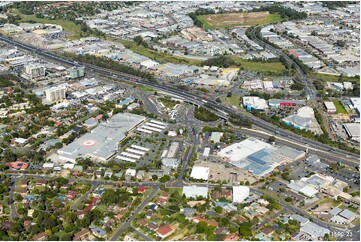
x=129 y=221
x=13 y=213
x=143 y=236
x=260 y=225
x=178 y=184
x=85 y=196
x=189 y=97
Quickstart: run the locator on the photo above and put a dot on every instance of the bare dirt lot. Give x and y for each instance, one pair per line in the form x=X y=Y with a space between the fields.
x=232 y=175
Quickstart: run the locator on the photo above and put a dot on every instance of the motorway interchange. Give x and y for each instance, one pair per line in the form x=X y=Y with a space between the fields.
x=261 y=129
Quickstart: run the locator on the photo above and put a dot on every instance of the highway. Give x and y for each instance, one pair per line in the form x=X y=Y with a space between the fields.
x=257 y=122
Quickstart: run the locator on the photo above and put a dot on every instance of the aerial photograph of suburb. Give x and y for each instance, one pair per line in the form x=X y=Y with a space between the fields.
x=161 y=120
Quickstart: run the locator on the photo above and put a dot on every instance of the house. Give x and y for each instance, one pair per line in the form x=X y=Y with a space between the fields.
x=98 y=232
x=222 y=230
x=231 y=237
x=23 y=183
x=142 y=189
x=71 y=195
x=80 y=214
x=41 y=182
x=142 y=222
x=40 y=237
x=165 y=195
x=152 y=226
x=6 y=225
x=18 y=165
x=165 y=231
x=130 y=172
x=188 y=212
x=161 y=201
x=149 y=214
x=268 y=231
x=81 y=235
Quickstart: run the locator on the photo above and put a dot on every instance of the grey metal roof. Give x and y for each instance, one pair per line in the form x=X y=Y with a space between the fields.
x=102 y=142
x=335 y=211
x=348 y=214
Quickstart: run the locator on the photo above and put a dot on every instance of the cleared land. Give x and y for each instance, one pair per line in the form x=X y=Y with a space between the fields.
x=339 y=107
x=158 y=56
x=226 y=20
x=68 y=26
x=275 y=68
x=332 y=78
x=234 y=100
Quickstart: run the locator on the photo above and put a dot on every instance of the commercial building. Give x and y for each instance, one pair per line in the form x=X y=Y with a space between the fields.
x=200 y=173
x=315 y=231
x=330 y=107
x=55 y=94
x=285 y=103
x=301 y=120
x=254 y=103
x=34 y=71
x=258 y=157
x=352 y=130
x=240 y=193
x=216 y=137
x=76 y=72
x=195 y=191
x=102 y=142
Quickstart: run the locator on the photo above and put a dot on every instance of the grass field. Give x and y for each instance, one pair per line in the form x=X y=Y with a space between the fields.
x=331 y=78
x=339 y=107
x=158 y=56
x=274 y=67
x=68 y=26
x=234 y=100
x=227 y=20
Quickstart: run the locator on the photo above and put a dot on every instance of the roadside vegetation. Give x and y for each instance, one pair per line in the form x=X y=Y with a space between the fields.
x=205 y=115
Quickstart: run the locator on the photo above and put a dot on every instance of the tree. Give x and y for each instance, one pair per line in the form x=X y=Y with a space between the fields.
x=289 y=199
x=154 y=177
x=218 y=209
x=164 y=178
x=245 y=229
x=271 y=139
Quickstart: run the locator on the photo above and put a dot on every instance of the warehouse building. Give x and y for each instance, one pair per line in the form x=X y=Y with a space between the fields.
x=301 y=120
x=102 y=142
x=330 y=107
x=352 y=130
x=258 y=157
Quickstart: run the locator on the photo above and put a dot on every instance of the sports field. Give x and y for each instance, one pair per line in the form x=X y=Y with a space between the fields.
x=225 y=20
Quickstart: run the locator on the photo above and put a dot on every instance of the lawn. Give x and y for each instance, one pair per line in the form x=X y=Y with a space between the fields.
x=332 y=78
x=339 y=107
x=330 y=201
x=158 y=56
x=68 y=26
x=227 y=20
x=168 y=103
x=234 y=100
x=265 y=67
x=146 y=89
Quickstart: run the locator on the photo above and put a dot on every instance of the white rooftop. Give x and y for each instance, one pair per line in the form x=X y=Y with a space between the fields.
x=238 y=151
x=199 y=172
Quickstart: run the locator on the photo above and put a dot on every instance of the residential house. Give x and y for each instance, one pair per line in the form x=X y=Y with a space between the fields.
x=231 y=237
x=81 y=235
x=40 y=237
x=165 y=231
